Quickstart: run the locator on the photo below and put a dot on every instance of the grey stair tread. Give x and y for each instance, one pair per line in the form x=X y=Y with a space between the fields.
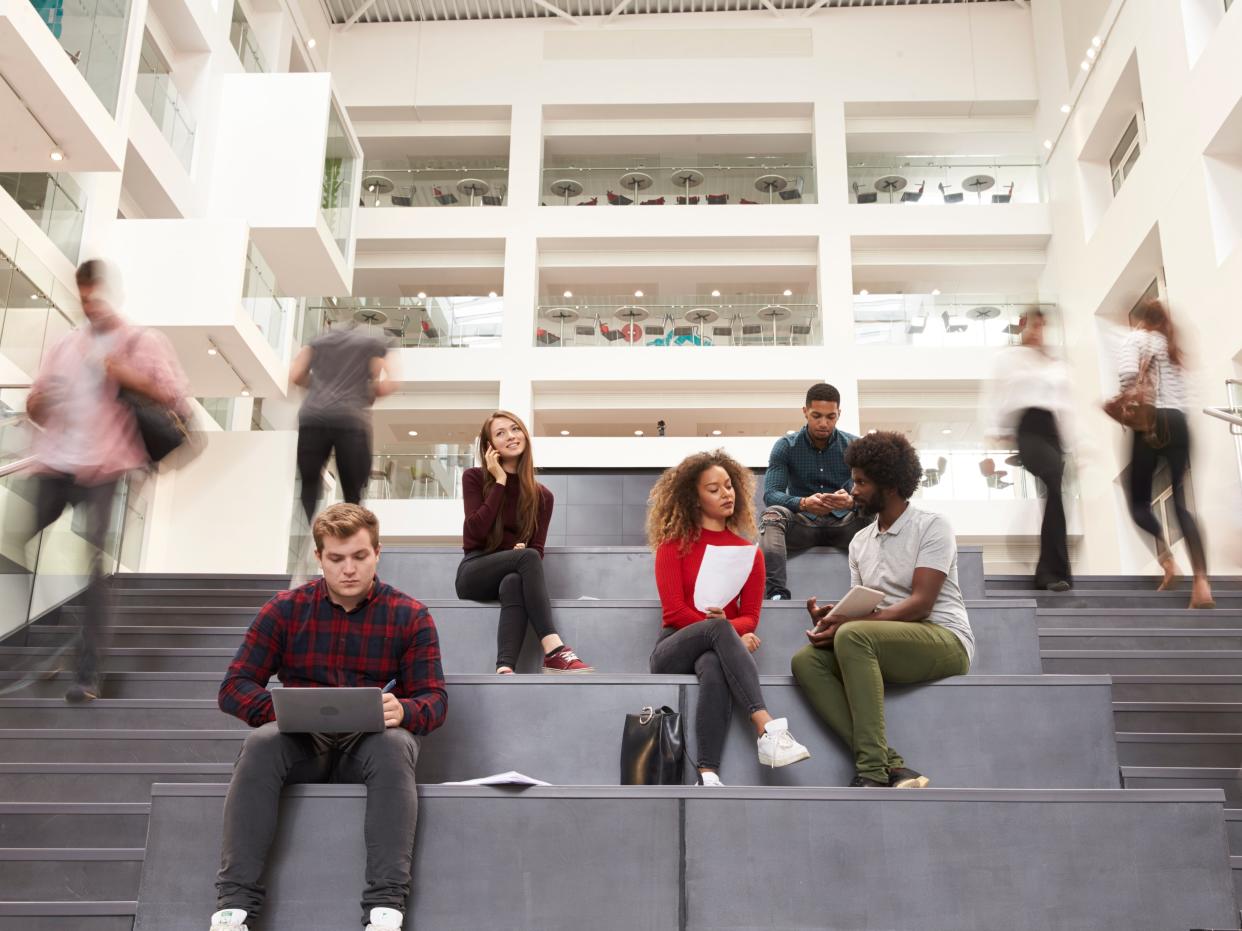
x=1079 y=598
x=1008 y=581
x=1137 y=619
x=649 y=838
x=1113 y=639
x=1179 y=749
x=44 y=878
x=52 y=824
x=1177 y=717
x=1142 y=662
x=68 y=909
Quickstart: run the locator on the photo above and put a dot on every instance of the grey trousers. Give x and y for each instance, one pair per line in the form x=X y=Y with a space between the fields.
x=782 y=532
x=269 y=761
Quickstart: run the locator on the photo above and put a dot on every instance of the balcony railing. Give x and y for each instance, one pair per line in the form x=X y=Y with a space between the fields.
x=337 y=198
x=465 y=183
x=162 y=100
x=420 y=476
x=943 y=320
x=413 y=323
x=980 y=475
x=270 y=312
x=623 y=181
x=244 y=42
x=918 y=179
x=54 y=202
x=92 y=33
x=31 y=318
x=752 y=320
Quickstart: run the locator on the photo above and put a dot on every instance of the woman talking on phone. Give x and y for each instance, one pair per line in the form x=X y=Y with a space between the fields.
x=705 y=504
x=507 y=515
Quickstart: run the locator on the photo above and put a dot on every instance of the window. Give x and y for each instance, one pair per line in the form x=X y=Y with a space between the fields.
x=1126 y=154
x=1153 y=291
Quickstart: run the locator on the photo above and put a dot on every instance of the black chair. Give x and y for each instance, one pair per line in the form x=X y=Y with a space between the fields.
x=1003 y=198
x=951 y=198
x=610 y=334
x=618 y=200
x=717 y=198
x=683 y=331
x=584 y=331
x=863 y=197
x=798 y=329
x=953 y=324
x=931 y=477
x=913 y=197
x=492 y=200
x=442 y=198
x=794 y=191
x=403 y=200
x=544 y=338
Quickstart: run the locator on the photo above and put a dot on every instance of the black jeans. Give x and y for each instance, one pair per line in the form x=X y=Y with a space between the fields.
x=714 y=652
x=515 y=577
x=55 y=493
x=1143 y=463
x=270 y=760
x=1039 y=446
x=782 y=531
x=353 y=461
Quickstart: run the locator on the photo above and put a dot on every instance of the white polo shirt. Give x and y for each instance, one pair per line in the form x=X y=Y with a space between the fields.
x=886 y=561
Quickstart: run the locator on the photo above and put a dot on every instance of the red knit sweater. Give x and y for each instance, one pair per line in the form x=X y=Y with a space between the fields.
x=676 y=576
x=481 y=512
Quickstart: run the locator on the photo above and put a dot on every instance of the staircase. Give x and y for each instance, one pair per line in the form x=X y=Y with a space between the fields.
x=110 y=814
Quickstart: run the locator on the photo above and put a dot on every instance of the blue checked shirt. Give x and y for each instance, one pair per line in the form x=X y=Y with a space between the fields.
x=797 y=470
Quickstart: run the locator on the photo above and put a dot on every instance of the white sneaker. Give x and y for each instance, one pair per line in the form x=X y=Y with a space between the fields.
x=777 y=746
x=229 y=919
x=710 y=779
x=386 y=919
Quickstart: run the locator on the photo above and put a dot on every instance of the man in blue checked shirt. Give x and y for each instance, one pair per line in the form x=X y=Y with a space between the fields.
x=806 y=491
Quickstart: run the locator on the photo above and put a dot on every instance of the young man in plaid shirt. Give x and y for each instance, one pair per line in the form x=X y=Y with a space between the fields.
x=806 y=490
x=345 y=629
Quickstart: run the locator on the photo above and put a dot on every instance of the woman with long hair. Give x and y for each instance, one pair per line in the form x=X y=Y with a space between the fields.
x=507 y=515
x=1153 y=342
x=1031 y=405
x=704 y=503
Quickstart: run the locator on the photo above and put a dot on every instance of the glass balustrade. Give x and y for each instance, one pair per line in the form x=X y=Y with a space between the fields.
x=676 y=180
x=31 y=318
x=161 y=99
x=957 y=179
x=411 y=323
x=54 y=202
x=92 y=33
x=269 y=312
x=244 y=42
x=749 y=320
x=944 y=320
x=981 y=475
x=337 y=197
x=458 y=182
x=435 y=474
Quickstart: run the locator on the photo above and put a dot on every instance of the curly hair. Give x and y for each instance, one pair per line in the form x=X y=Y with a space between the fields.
x=889 y=461
x=674 y=512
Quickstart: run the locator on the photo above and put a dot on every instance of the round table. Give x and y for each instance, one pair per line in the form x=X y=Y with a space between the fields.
x=635 y=181
x=472 y=188
x=377 y=185
x=986 y=312
x=371 y=316
x=687 y=178
x=560 y=314
x=978 y=184
x=770 y=184
x=632 y=314
x=774 y=312
x=890 y=185
x=566 y=188
x=701 y=315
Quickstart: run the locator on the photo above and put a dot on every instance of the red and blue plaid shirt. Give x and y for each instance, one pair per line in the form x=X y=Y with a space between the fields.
x=308 y=640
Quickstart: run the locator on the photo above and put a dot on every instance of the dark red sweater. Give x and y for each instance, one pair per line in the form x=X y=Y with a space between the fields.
x=676 y=576
x=481 y=513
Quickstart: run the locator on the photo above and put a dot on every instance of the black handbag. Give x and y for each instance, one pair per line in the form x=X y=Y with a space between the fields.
x=162 y=429
x=652 y=744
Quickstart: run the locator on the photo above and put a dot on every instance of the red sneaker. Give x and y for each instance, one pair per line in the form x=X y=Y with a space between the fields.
x=564 y=660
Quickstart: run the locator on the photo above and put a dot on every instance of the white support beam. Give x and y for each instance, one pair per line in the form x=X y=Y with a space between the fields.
x=815 y=7
x=553 y=8
x=771 y=8
x=617 y=11
x=357 y=15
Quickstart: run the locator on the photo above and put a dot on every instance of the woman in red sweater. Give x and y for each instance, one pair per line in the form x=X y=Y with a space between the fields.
x=704 y=503
x=507 y=515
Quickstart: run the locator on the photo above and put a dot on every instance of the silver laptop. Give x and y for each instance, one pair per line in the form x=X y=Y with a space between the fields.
x=329 y=710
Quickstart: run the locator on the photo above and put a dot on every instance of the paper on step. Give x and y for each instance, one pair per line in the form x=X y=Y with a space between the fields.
x=511 y=778
x=724 y=571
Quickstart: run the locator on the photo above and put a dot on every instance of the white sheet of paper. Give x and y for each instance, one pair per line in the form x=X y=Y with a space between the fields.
x=511 y=778
x=721 y=576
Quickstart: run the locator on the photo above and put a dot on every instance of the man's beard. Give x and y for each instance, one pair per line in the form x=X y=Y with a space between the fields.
x=873 y=506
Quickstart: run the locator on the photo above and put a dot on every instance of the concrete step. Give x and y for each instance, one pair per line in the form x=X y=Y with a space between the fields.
x=1141 y=662
x=124 y=685
x=67 y=916
x=614 y=636
x=567 y=732
x=682 y=847
x=1217 y=689
x=1140 y=618
x=1128 y=598
x=99 y=782
x=1209 y=750
x=1160 y=638
x=70 y=873
x=1227 y=779
x=1178 y=717
x=1009 y=583
x=166 y=713
x=73 y=824
x=1233 y=829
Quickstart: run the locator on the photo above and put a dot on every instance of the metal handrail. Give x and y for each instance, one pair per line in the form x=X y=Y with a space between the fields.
x=1224 y=414
x=16 y=465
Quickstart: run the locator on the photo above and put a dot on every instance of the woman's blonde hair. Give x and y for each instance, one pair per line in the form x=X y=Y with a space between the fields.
x=675 y=513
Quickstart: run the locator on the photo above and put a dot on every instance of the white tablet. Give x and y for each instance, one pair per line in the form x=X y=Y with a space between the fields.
x=859 y=601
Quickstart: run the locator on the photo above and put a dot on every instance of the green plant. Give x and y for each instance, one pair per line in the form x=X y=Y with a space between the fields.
x=333 y=178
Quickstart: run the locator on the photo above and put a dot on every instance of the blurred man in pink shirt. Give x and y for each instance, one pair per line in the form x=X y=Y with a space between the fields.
x=88 y=437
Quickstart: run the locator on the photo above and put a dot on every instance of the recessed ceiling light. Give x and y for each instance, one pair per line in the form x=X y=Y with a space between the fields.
x=413 y=433
x=245 y=392
x=638 y=293
x=788 y=293
x=716 y=433
x=715 y=294
x=58 y=155
x=311 y=43
x=1097 y=41
x=1047 y=143
x=568 y=294
x=422 y=295
x=1086 y=65
x=790 y=432
x=564 y=433
x=34 y=297
x=491 y=294
x=863 y=293
x=872 y=430
x=211 y=350
x=1091 y=52
x=638 y=432
x=1065 y=108
x=946 y=431
x=935 y=292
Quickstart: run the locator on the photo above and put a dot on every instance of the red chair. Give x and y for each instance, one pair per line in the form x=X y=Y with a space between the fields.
x=654 y=202
x=588 y=203
x=618 y=200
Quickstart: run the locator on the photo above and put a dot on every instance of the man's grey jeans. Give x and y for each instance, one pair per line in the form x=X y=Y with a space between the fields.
x=783 y=532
